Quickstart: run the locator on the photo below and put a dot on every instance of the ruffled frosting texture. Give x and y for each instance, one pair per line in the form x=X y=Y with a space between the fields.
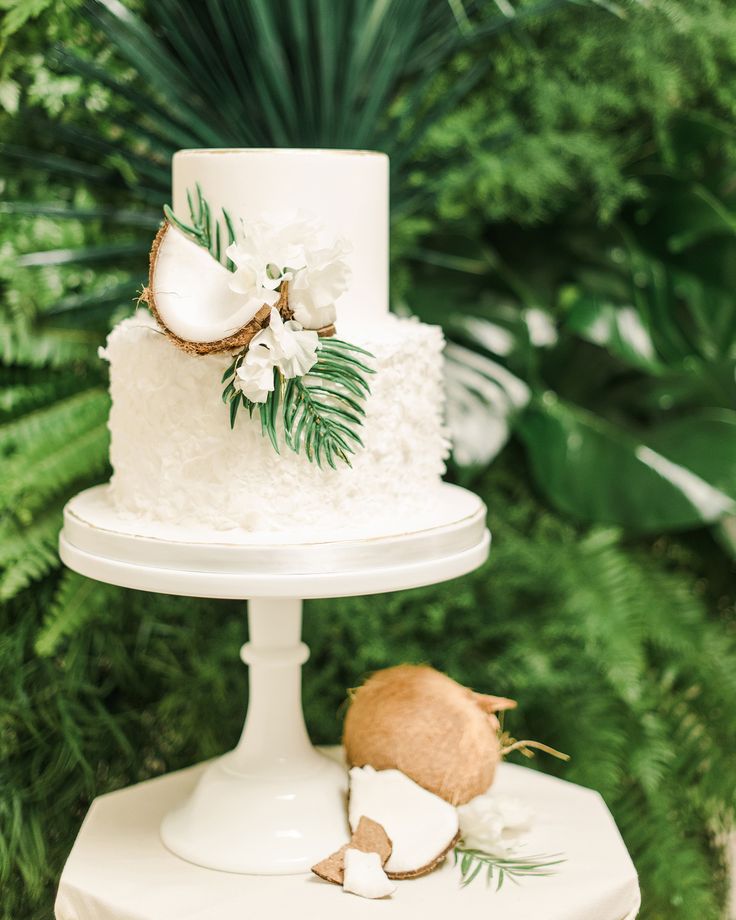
x=176 y=460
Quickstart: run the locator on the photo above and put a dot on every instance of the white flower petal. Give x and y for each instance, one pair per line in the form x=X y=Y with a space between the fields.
x=254 y=377
x=294 y=349
x=311 y=317
x=494 y=824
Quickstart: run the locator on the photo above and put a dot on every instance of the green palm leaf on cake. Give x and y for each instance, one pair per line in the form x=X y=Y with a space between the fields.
x=319 y=414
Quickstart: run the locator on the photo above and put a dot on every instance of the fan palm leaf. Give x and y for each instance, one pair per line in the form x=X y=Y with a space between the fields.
x=186 y=73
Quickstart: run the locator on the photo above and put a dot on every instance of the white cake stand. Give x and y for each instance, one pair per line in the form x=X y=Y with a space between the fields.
x=274 y=805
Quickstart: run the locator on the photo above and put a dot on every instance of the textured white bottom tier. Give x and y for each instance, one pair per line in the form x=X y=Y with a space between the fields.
x=176 y=460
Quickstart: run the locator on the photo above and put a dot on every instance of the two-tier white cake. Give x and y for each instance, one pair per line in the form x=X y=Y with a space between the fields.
x=176 y=459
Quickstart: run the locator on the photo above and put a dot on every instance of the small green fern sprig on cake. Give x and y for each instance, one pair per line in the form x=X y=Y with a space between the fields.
x=319 y=413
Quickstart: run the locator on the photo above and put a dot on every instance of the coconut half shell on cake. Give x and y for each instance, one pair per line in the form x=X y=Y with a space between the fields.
x=190 y=297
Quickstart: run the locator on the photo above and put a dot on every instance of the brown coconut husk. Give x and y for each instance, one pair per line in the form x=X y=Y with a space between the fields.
x=440 y=734
x=238 y=340
x=369 y=837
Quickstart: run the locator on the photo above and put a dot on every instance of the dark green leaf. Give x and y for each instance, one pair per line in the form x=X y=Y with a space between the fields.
x=597 y=472
x=619 y=329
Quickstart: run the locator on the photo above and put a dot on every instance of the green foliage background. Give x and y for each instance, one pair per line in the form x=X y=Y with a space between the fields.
x=563 y=202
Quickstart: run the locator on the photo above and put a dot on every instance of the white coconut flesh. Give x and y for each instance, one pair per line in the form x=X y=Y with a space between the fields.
x=420 y=825
x=365 y=876
x=191 y=291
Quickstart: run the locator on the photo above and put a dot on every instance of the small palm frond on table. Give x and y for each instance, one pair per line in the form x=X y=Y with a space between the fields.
x=473 y=862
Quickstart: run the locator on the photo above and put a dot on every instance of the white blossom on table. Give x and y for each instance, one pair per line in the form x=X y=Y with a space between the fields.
x=495 y=824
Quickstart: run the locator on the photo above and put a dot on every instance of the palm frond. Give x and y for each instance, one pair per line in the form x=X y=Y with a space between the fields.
x=473 y=861
x=320 y=413
x=204 y=227
x=57 y=165
x=113 y=253
x=114 y=216
x=80 y=308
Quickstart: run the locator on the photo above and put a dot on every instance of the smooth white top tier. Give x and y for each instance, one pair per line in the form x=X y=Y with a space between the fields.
x=347 y=190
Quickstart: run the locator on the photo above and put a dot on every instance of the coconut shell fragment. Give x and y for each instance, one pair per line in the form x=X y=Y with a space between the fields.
x=364 y=875
x=368 y=837
x=417 y=720
x=423 y=827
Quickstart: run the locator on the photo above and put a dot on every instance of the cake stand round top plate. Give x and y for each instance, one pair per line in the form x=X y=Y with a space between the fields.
x=446 y=539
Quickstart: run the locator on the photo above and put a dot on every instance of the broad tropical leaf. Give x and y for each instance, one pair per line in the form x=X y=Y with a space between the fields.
x=597 y=472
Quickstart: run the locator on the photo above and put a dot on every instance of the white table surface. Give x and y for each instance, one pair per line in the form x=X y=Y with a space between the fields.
x=120 y=870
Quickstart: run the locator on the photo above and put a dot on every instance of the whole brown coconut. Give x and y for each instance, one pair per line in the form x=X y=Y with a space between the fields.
x=440 y=734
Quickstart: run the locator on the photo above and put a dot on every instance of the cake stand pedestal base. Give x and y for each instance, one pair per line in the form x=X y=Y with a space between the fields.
x=274 y=805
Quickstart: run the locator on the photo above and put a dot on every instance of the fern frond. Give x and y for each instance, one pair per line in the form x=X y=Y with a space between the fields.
x=32 y=479
x=77 y=601
x=28 y=553
x=57 y=423
x=17 y=398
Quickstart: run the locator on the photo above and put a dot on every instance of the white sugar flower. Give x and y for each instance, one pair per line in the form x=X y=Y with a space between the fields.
x=494 y=823
x=265 y=257
x=296 y=249
x=258 y=281
x=316 y=287
x=293 y=349
x=255 y=375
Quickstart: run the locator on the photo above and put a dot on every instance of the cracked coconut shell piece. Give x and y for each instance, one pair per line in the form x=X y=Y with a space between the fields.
x=423 y=827
x=417 y=720
x=368 y=837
